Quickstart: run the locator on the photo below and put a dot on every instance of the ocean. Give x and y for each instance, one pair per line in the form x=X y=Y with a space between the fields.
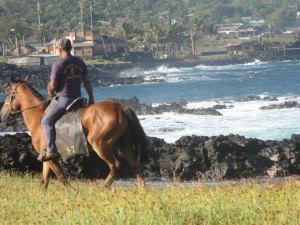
x=205 y=86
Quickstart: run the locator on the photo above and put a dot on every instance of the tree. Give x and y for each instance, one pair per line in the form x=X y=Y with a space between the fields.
x=124 y=30
x=157 y=32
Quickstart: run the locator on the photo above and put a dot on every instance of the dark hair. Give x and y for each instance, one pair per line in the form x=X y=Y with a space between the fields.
x=64 y=44
x=67 y=48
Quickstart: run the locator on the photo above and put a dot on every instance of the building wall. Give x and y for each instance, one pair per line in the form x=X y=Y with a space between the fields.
x=33 y=60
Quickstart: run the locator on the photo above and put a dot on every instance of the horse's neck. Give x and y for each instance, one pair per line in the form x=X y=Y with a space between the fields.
x=32 y=118
x=32 y=112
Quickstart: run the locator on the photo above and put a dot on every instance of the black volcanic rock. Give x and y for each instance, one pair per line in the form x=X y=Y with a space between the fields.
x=189 y=158
x=285 y=105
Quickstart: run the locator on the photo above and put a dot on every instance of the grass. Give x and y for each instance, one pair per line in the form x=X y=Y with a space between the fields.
x=22 y=202
x=96 y=62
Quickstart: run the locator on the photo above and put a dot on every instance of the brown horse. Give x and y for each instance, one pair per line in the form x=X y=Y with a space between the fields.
x=106 y=124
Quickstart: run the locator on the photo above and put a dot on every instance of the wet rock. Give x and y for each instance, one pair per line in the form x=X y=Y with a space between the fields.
x=173 y=106
x=190 y=164
x=258 y=163
x=220 y=171
x=216 y=107
x=15 y=125
x=285 y=105
x=256 y=98
x=201 y=111
x=17 y=153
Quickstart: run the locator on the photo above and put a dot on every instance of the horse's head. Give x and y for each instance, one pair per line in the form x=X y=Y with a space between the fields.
x=12 y=103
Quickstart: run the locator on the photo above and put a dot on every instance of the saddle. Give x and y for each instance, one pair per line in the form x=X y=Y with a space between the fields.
x=78 y=103
x=70 y=138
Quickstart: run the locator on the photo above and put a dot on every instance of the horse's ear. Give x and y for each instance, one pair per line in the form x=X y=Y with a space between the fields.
x=12 y=79
x=25 y=78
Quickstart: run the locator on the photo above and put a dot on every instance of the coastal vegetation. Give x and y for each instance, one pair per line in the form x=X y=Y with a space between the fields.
x=170 y=24
x=86 y=202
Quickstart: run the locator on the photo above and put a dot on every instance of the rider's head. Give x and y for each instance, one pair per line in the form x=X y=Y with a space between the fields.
x=64 y=46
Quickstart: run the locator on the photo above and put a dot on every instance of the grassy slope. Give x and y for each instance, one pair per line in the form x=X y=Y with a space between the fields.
x=22 y=202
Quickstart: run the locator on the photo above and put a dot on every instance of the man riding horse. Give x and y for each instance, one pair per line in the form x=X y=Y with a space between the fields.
x=67 y=75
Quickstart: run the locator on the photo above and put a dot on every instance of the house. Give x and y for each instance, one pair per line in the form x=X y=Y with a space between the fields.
x=257 y=23
x=23 y=50
x=246 y=32
x=93 y=43
x=229 y=30
x=246 y=19
x=244 y=48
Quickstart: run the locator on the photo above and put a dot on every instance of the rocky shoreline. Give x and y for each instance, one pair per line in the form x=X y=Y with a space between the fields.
x=214 y=158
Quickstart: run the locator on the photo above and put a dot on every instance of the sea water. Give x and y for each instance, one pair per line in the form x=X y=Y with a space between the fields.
x=205 y=86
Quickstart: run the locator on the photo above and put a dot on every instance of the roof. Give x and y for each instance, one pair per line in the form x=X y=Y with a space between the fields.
x=83 y=44
x=257 y=22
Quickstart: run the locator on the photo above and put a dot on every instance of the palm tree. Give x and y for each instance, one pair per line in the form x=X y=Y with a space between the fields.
x=156 y=32
x=197 y=25
x=173 y=34
x=124 y=30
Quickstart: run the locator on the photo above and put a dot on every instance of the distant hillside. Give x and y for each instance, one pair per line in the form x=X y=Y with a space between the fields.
x=47 y=19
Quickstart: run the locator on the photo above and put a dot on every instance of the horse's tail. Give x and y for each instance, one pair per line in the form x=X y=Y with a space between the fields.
x=140 y=140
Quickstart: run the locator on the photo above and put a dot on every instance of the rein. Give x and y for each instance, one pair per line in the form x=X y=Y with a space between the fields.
x=13 y=110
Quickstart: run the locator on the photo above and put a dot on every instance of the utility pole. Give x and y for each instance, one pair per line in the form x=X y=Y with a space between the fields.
x=91 y=9
x=24 y=42
x=39 y=14
x=192 y=39
x=17 y=47
x=81 y=16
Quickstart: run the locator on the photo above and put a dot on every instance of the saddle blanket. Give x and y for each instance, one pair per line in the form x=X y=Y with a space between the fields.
x=70 y=138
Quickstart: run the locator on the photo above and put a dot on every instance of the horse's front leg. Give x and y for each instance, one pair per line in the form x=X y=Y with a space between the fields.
x=45 y=176
x=56 y=168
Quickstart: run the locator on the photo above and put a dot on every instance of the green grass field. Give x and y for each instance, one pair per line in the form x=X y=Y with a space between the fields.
x=23 y=202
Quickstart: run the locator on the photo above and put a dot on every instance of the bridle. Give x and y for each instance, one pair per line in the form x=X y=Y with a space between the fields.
x=14 y=111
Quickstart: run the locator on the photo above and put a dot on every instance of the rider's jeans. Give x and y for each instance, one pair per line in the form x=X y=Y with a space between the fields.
x=56 y=109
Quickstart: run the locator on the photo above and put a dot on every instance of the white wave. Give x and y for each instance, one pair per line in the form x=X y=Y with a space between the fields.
x=13 y=133
x=255 y=63
x=10 y=133
x=203 y=72
x=244 y=118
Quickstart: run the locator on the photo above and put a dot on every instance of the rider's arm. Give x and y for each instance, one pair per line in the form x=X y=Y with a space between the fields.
x=88 y=87
x=52 y=87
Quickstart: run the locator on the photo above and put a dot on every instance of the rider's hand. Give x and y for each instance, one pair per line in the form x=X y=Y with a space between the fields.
x=51 y=94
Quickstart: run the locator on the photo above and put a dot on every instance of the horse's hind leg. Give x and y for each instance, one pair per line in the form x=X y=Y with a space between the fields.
x=128 y=154
x=104 y=150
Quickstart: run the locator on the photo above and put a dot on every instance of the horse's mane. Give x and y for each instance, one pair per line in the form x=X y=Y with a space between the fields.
x=34 y=91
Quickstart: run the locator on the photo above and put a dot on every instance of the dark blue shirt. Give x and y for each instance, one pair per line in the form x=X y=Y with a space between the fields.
x=68 y=73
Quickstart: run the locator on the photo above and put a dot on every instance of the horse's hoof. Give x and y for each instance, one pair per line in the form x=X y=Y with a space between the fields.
x=107 y=184
x=140 y=185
